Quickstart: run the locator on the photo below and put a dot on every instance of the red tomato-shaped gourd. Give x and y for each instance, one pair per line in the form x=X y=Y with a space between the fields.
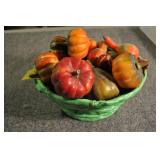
x=72 y=78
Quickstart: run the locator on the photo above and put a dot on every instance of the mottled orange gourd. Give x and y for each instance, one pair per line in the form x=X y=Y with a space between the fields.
x=126 y=71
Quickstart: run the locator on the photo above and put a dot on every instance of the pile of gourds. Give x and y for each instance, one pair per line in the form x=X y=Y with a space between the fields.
x=78 y=66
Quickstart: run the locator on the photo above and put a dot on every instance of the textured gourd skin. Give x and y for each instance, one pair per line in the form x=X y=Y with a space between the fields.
x=126 y=71
x=78 y=43
x=129 y=48
x=93 y=44
x=126 y=47
x=72 y=78
x=99 y=58
x=44 y=64
x=94 y=54
x=104 y=86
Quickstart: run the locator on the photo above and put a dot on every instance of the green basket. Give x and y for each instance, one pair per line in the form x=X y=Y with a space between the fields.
x=85 y=109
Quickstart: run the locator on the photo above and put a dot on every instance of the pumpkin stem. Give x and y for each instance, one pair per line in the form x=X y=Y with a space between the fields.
x=76 y=73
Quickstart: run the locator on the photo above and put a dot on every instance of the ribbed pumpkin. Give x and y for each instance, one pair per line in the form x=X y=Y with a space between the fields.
x=93 y=44
x=79 y=43
x=45 y=63
x=126 y=71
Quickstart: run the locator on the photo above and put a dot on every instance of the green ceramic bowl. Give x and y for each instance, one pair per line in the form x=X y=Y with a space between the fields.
x=85 y=109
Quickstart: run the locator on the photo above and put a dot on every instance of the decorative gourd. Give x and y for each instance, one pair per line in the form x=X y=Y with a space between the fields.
x=59 y=43
x=44 y=64
x=105 y=62
x=93 y=44
x=99 y=58
x=126 y=71
x=94 y=54
x=104 y=86
x=126 y=47
x=78 y=43
x=102 y=45
x=72 y=77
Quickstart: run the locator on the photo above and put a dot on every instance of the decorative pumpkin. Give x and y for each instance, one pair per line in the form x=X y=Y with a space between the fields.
x=104 y=86
x=127 y=47
x=78 y=43
x=72 y=77
x=126 y=71
x=94 y=54
x=59 y=43
x=102 y=45
x=104 y=61
x=99 y=58
x=45 y=63
x=93 y=44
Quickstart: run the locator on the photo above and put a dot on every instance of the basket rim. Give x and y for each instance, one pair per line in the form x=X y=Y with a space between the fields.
x=42 y=88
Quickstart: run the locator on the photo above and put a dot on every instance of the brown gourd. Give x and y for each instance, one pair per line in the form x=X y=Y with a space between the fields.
x=104 y=86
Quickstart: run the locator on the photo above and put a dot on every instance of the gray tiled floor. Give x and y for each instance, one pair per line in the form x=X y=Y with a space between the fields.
x=28 y=110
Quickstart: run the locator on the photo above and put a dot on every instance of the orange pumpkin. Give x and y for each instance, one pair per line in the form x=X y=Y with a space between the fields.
x=129 y=48
x=126 y=71
x=78 y=43
x=102 y=45
x=93 y=44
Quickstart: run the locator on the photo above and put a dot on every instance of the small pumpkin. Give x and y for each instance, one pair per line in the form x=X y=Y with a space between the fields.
x=78 y=43
x=94 y=54
x=93 y=44
x=44 y=64
x=102 y=45
x=126 y=71
x=99 y=58
x=104 y=62
x=104 y=86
